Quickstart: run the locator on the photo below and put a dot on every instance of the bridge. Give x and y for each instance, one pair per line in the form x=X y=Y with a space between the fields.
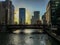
x=45 y=27
x=24 y=26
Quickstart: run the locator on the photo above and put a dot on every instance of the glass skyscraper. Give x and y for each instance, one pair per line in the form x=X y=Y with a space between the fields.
x=22 y=12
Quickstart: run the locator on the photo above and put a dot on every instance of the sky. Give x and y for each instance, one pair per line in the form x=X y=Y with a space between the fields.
x=30 y=5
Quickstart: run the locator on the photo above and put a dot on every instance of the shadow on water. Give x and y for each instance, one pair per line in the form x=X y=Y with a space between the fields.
x=54 y=41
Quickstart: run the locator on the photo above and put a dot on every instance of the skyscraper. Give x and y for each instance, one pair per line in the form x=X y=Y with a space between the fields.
x=2 y=12
x=32 y=20
x=10 y=11
x=22 y=14
x=44 y=18
x=36 y=17
x=12 y=14
x=6 y=12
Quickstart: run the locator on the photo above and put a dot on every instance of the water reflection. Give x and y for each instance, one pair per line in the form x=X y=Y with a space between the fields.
x=17 y=31
x=24 y=39
x=28 y=31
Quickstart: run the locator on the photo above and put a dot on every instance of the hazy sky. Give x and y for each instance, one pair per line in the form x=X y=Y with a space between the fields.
x=31 y=5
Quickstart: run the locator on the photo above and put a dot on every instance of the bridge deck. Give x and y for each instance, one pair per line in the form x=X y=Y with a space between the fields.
x=24 y=26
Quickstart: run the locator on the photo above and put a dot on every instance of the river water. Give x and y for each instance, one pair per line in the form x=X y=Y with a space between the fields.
x=24 y=39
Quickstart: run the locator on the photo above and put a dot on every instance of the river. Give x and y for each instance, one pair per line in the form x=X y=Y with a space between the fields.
x=16 y=38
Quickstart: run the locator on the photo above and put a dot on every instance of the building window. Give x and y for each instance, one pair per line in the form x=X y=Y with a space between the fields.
x=52 y=16
x=58 y=18
x=53 y=5
x=53 y=10
x=56 y=5
x=57 y=2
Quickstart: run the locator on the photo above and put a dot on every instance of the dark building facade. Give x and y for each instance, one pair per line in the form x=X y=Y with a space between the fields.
x=37 y=15
x=22 y=14
x=52 y=11
x=58 y=18
x=32 y=20
x=10 y=12
x=6 y=12
x=44 y=19
x=2 y=12
x=58 y=15
x=54 y=7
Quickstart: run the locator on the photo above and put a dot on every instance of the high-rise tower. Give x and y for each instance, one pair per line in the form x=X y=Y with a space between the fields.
x=22 y=14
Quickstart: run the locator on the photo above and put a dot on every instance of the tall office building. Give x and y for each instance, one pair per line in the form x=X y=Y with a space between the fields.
x=37 y=14
x=44 y=18
x=32 y=20
x=2 y=12
x=36 y=17
x=6 y=12
x=51 y=13
x=10 y=12
x=22 y=14
x=11 y=15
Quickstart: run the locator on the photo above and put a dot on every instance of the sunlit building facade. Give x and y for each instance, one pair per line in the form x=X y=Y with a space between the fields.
x=48 y=13
x=28 y=17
